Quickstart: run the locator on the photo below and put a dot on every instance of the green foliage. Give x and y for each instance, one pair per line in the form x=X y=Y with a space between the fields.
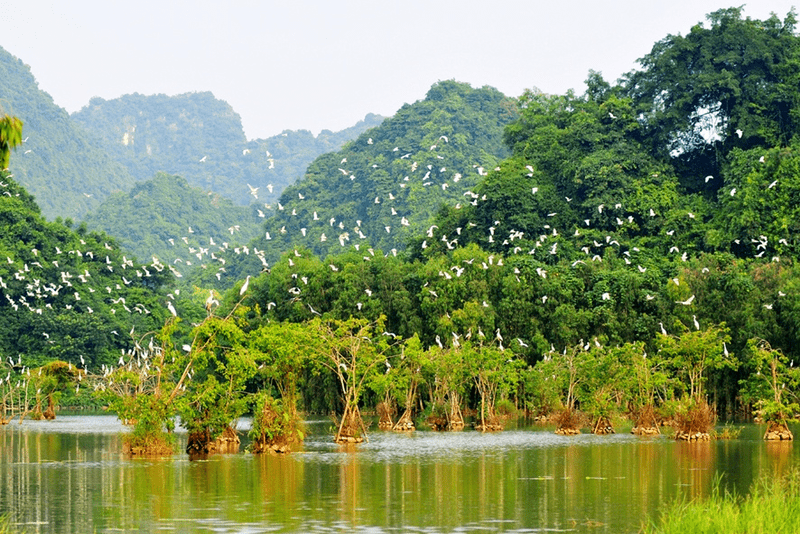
x=221 y=365
x=179 y=224
x=736 y=74
x=273 y=423
x=766 y=384
x=10 y=137
x=693 y=354
x=771 y=506
x=143 y=391
x=66 y=294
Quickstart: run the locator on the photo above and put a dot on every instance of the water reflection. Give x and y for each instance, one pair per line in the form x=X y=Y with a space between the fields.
x=70 y=476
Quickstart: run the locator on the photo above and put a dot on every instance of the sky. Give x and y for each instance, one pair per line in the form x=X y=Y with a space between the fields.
x=296 y=64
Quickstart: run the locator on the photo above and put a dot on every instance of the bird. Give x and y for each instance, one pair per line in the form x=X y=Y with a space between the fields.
x=171 y=308
x=686 y=302
x=244 y=286
x=211 y=300
x=696 y=324
x=663 y=330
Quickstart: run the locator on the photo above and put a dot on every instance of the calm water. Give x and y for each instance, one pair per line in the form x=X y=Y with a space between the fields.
x=69 y=475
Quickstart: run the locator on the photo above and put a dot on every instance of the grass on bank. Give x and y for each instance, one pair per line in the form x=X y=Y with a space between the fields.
x=773 y=506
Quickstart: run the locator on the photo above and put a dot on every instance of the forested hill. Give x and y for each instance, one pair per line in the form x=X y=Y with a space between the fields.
x=620 y=214
x=658 y=166
x=201 y=138
x=68 y=293
x=387 y=185
x=58 y=163
x=167 y=218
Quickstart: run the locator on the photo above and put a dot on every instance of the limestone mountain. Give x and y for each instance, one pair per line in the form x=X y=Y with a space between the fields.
x=58 y=163
x=200 y=138
x=387 y=185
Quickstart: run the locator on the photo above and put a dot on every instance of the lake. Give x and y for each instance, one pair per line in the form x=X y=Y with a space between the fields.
x=69 y=475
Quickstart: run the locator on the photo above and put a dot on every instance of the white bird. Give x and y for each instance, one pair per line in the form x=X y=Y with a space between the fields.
x=696 y=324
x=733 y=191
x=663 y=330
x=686 y=302
x=171 y=308
x=244 y=286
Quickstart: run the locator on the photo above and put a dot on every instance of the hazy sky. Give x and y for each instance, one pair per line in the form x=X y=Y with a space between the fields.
x=324 y=65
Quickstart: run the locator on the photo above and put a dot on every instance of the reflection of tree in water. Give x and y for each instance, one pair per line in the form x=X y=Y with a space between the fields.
x=779 y=456
x=695 y=462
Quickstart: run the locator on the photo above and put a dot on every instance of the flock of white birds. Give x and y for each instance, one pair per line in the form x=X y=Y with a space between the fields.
x=213 y=255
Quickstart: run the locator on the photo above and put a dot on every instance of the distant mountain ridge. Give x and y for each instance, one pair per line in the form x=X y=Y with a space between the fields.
x=72 y=163
x=201 y=138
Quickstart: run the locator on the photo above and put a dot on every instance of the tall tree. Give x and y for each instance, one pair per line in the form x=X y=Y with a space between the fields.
x=731 y=84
